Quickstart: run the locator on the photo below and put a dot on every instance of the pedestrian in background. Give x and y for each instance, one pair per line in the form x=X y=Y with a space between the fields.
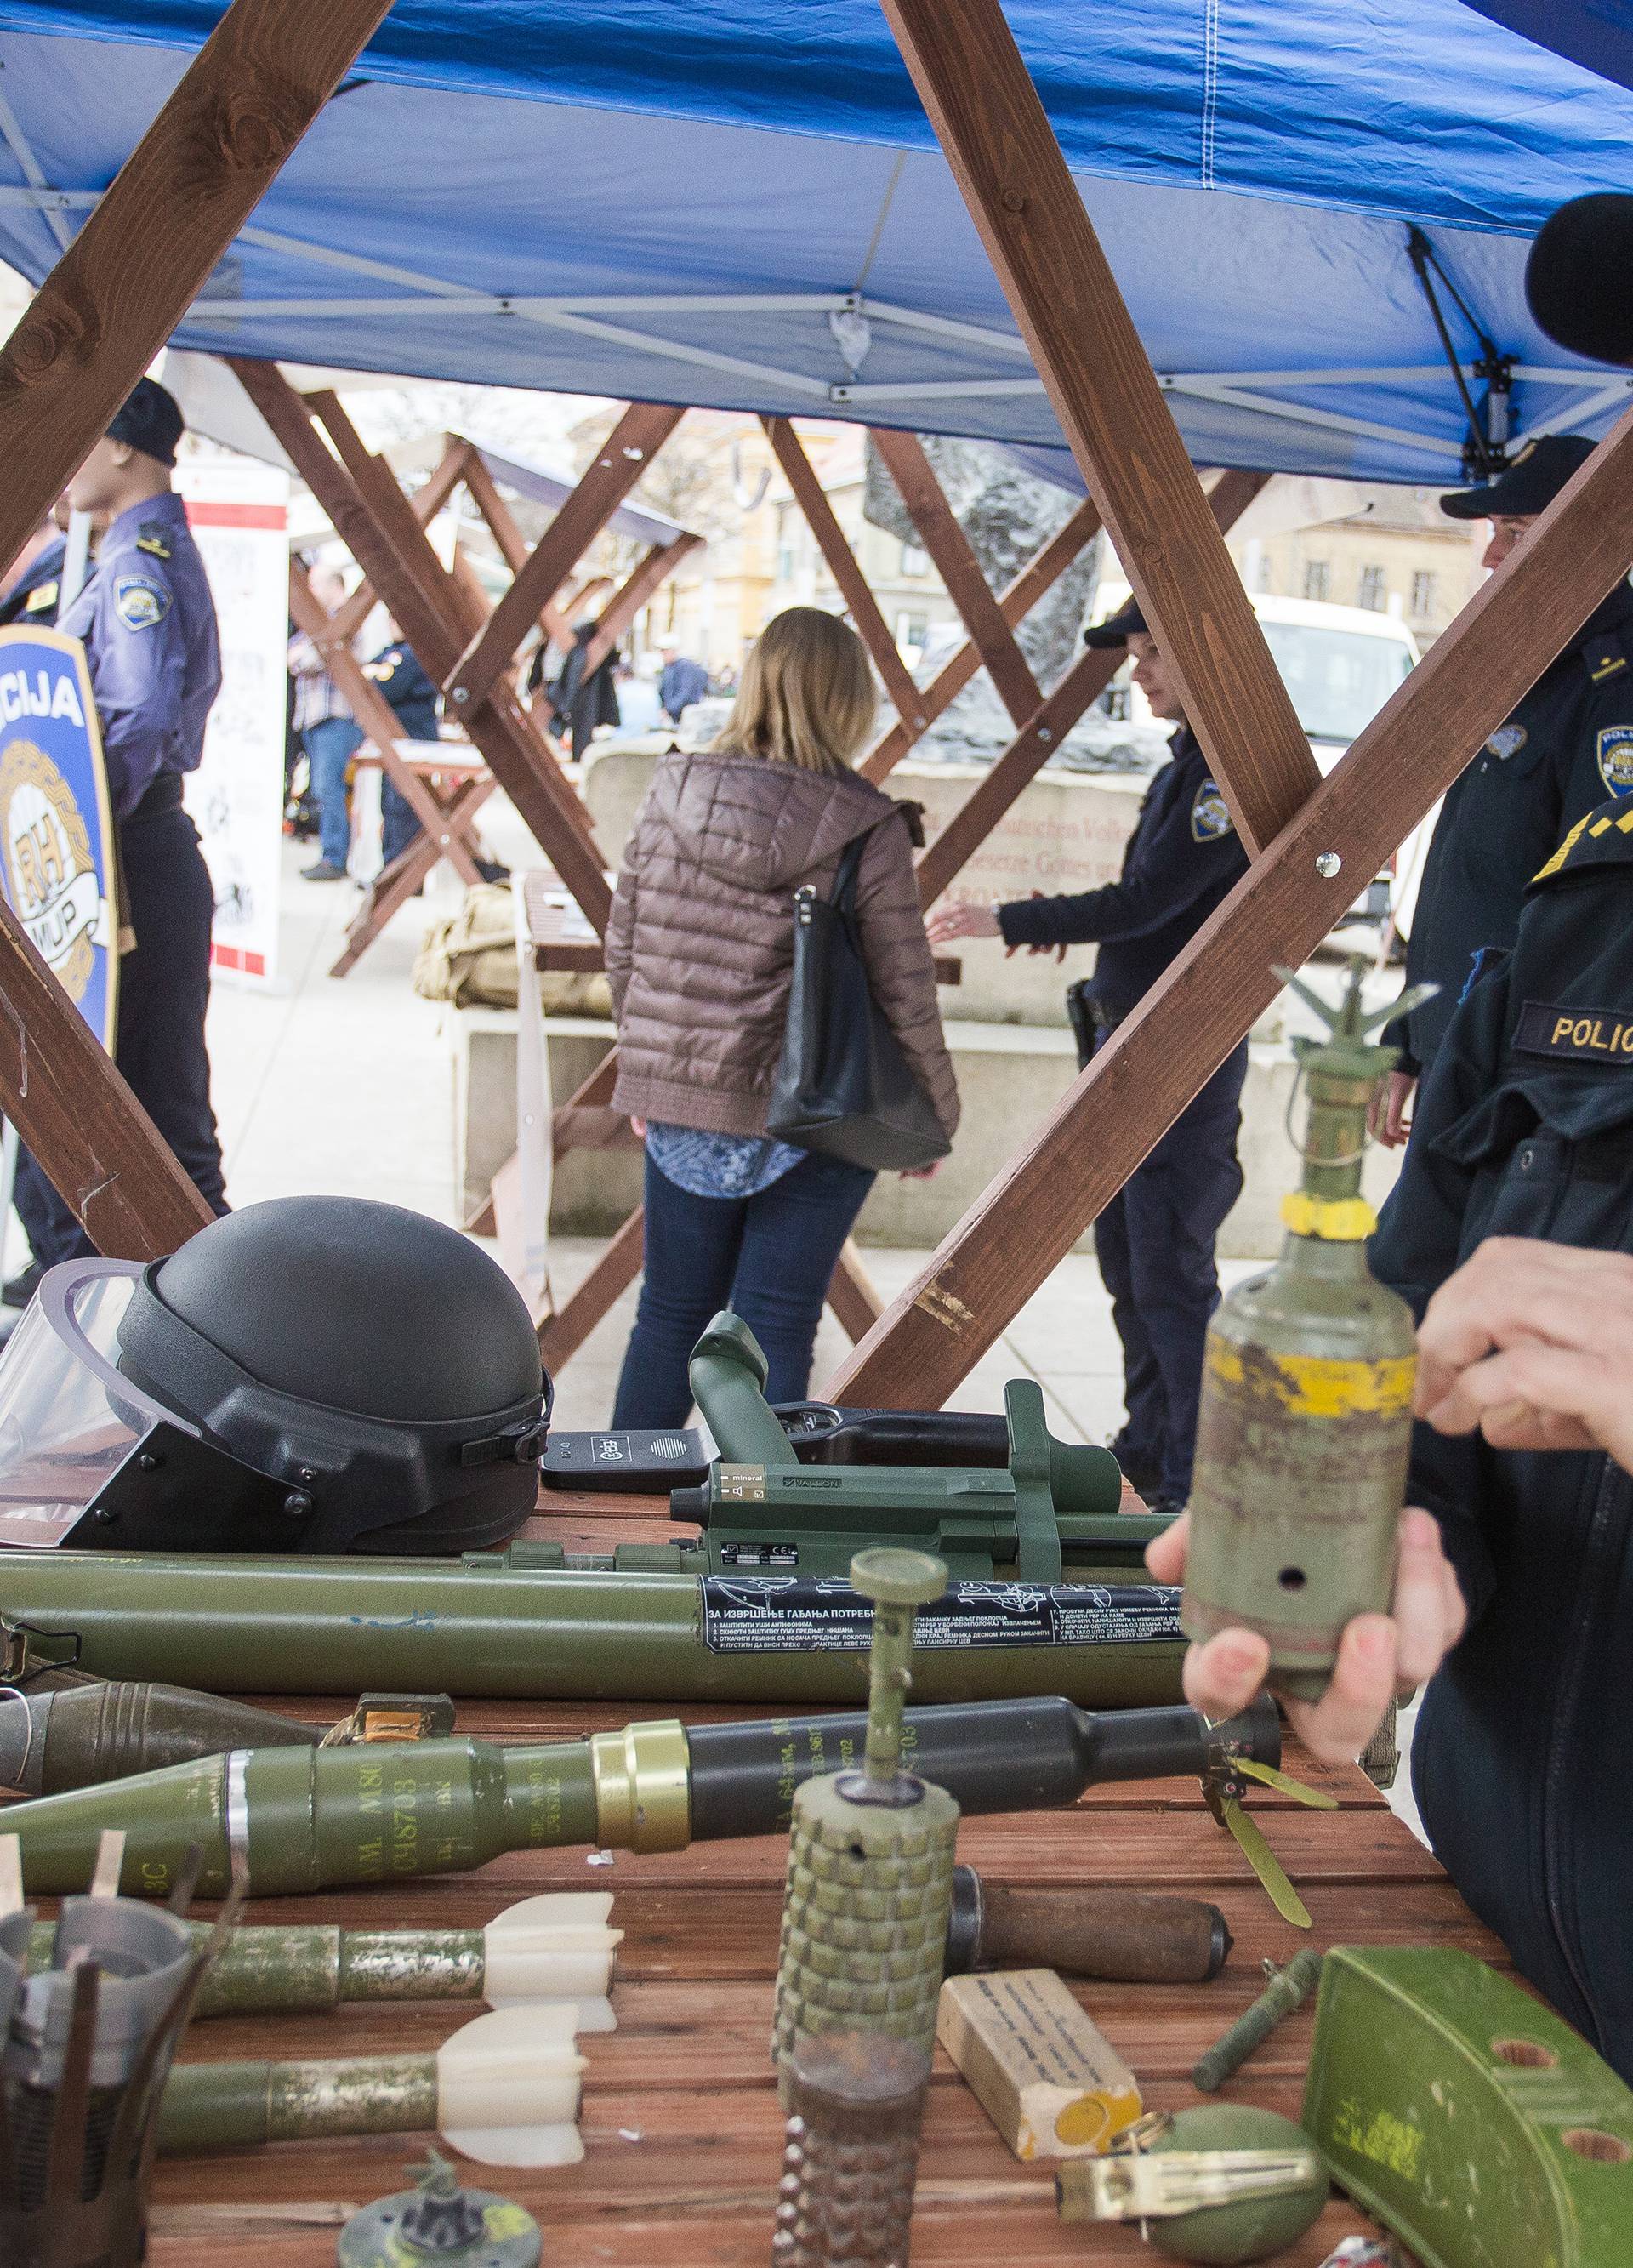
x=700 y=953
x=681 y=683
x=328 y=733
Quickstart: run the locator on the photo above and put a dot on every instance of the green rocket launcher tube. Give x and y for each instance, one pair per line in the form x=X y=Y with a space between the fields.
x=497 y=1626
x=291 y=1820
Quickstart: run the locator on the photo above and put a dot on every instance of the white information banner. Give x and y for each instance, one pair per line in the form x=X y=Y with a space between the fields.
x=238 y=513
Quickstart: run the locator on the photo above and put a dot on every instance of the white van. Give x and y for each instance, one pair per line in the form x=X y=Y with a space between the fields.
x=1340 y=665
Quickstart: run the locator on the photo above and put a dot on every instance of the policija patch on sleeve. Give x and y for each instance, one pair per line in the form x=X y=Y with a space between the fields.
x=140 y=602
x=1615 y=758
x=1211 y=814
x=1575 y=1035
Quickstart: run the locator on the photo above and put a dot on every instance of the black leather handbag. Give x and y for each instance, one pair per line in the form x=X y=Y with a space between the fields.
x=843 y=1084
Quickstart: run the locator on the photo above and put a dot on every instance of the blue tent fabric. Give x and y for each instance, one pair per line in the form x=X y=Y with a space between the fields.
x=740 y=202
x=1597 y=33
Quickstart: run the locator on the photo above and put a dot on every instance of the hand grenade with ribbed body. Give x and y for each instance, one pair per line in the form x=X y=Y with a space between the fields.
x=871 y=1855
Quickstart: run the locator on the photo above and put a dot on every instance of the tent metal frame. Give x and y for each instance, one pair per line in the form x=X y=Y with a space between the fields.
x=237 y=111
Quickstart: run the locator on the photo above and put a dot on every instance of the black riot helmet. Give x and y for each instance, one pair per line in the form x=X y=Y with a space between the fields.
x=312 y=1375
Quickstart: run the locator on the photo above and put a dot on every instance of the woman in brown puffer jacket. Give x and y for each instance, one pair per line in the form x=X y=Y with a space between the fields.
x=700 y=956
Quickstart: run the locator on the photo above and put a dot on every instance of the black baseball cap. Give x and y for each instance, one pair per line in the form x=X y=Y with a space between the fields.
x=1576 y=277
x=1118 y=628
x=150 y=421
x=1528 y=483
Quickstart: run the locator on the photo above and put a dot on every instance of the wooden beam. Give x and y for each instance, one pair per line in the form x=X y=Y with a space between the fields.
x=871 y=626
x=95 y=1143
x=1015 y=603
x=1022 y=197
x=158 y=230
x=563 y=1333
x=851 y=1293
x=435 y=611
x=376 y=716
x=1021 y=1227
x=426 y=502
x=904 y=460
x=1042 y=734
x=394 y=884
x=1020 y=762
x=512 y=544
x=620 y=609
x=629 y=448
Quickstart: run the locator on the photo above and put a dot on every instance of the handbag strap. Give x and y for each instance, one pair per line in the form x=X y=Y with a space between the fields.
x=844 y=892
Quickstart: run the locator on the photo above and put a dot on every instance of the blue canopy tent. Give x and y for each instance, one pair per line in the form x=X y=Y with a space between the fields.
x=1596 y=32
x=743 y=205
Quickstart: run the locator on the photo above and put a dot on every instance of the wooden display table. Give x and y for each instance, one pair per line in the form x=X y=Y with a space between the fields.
x=682 y=2129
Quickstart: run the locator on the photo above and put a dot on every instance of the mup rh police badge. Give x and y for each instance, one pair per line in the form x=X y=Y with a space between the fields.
x=1615 y=758
x=1211 y=814
x=56 y=831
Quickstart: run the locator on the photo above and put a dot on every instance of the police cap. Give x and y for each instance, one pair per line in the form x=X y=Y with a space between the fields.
x=150 y=421
x=1576 y=277
x=1118 y=628
x=1528 y=484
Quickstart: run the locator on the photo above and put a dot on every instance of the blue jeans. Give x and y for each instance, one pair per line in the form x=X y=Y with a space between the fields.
x=769 y=1257
x=329 y=747
x=397 y=825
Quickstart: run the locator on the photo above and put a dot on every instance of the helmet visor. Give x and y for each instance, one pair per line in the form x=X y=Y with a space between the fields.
x=67 y=1418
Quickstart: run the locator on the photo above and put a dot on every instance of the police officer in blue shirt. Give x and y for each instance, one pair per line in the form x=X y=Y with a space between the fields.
x=397 y=672
x=1566 y=747
x=148 y=624
x=1155 y=1240
x=31 y=595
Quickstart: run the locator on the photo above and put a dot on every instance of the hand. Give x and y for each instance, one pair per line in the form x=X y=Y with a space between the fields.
x=1387 y=1120
x=963 y=918
x=638 y=1128
x=1531 y=1345
x=1379 y=1656
x=923 y=1172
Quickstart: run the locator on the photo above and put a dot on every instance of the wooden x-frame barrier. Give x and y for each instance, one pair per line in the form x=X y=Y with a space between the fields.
x=173 y=210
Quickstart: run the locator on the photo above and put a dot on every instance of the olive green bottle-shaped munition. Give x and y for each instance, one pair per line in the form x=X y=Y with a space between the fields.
x=1306 y=1420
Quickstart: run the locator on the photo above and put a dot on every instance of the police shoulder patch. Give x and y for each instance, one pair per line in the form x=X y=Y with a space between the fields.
x=1601 y=837
x=139 y=601
x=1211 y=814
x=1614 y=750
x=1507 y=740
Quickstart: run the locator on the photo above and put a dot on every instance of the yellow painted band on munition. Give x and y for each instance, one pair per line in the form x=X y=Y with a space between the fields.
x=1314 y=1385
x=1336 y=1220
x=643 y=1781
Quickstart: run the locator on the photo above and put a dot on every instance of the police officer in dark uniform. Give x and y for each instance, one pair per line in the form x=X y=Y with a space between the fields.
x=148 y=624
x=1521 y=1765
x=31 y=595
x=1155 y=1240
x=396 y=670
x=1567 y=746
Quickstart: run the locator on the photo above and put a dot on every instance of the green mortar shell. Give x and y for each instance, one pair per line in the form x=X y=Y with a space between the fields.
x=1293 y=1473
x=1468 y=2118
x=490 y=1626
x=316 y=1818
x=1252 y=2228
x=242 y=2106
x=97 y=1733
x=864 y=1921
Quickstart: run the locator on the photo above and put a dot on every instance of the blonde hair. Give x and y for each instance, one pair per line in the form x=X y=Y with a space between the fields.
x=806 y=695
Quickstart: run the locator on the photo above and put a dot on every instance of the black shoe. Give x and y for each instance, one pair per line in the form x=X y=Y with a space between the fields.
x=323 y=872
x=22 y=1287
x=1164 y=1507
x=492 y=869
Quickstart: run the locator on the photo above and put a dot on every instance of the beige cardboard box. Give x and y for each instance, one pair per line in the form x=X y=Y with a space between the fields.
x=1049 y=2082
